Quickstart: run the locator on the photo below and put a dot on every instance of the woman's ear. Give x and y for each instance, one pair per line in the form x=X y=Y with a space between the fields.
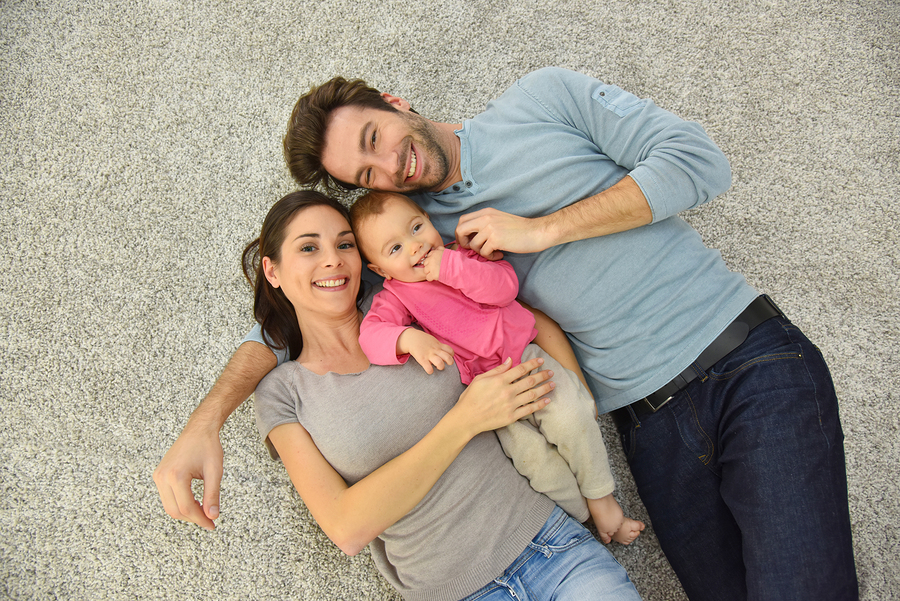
x=269 y=270
x=379 y=271
x=395 y=101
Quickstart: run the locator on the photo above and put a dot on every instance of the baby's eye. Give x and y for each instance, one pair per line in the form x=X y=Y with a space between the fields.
x=417 y=227
x=394 y=248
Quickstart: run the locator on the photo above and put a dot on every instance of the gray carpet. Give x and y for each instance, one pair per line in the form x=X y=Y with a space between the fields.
x=139 y=145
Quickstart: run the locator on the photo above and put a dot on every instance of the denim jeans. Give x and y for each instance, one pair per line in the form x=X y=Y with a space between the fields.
x=564 y=561
x=743 y=475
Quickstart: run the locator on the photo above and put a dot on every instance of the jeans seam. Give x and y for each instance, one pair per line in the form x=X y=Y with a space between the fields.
x=710 y=445
x=755 y=361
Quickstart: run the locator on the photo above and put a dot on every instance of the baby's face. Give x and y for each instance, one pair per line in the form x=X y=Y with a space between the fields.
x=397 y=241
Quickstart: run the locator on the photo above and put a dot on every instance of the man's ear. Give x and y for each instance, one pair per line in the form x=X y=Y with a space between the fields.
x=269 y=271
x=395 y=101
x=379 y=271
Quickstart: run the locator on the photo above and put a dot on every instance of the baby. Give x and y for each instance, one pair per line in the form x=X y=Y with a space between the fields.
x=466 y=306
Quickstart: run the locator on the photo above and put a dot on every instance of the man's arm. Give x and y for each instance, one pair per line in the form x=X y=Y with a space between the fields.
x=197 y=454
x=616 y=209
x=672 y=166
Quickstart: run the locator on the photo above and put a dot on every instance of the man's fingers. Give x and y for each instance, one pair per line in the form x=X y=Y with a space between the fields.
x=212 y=477
x=189 y=507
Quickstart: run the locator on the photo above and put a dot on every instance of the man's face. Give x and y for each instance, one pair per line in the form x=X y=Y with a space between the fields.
x=393 y=151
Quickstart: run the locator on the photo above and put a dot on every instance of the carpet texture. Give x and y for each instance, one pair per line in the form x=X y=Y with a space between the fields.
x=140 y=150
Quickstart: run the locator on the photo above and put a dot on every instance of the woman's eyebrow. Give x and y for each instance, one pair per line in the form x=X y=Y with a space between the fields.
x=312 y=235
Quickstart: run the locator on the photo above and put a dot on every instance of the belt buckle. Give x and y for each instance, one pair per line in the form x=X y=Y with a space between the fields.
x=654 y=408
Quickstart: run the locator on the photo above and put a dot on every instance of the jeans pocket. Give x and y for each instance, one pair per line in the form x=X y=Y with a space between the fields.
x=729 y=371
x=627 y=439
x=565 y=533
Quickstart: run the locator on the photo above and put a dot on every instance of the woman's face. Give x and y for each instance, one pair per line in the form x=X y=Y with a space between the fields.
x=320 y=267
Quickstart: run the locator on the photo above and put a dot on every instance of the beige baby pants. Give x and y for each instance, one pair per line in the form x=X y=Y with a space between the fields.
x=559 y=448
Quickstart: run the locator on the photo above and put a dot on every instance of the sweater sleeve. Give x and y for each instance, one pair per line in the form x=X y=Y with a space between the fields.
x=483 y=281
x=675 y=163
x=381 y=327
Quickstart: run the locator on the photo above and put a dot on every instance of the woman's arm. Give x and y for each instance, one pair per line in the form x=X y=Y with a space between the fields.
x=354 y=516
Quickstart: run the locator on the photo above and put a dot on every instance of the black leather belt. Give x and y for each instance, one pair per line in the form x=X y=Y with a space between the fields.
x=761 y=309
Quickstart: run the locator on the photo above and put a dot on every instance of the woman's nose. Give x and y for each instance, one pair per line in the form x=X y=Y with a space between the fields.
x=331 y=259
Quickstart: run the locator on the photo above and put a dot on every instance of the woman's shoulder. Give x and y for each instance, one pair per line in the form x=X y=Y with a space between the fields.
x=278 y=381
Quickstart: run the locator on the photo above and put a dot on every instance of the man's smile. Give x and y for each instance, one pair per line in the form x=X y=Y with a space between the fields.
x=413 y=160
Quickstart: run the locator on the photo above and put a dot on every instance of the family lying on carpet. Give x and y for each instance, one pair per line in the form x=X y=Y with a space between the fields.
x=564 y=194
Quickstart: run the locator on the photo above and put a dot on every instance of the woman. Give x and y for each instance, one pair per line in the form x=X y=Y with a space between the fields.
x=395 y=458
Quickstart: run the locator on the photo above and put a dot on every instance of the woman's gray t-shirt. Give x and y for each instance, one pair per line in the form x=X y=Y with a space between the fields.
x=478 y=517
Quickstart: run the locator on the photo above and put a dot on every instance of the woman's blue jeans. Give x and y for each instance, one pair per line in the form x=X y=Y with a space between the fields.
x=564 y=561
x=743 y=475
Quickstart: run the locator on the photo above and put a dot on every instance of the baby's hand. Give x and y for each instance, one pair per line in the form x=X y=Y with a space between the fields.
x=432 y=263
x=425 y=349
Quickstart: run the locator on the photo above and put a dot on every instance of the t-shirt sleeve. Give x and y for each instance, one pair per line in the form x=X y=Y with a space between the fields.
x=275 y=403
x=674 y=162
x=256 y=335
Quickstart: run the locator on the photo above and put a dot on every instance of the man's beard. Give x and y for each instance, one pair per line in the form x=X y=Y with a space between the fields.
x=424 y=134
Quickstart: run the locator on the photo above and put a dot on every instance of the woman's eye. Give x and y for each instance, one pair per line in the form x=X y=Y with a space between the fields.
x=374 y=137
x=307 y=248
x=368 y=178
x=346 y=245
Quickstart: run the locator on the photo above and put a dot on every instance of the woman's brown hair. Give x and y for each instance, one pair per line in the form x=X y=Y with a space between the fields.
x=271 y=308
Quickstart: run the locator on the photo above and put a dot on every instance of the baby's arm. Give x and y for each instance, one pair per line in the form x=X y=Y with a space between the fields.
x=483 y=281
x=387 y=338
x=427 y=350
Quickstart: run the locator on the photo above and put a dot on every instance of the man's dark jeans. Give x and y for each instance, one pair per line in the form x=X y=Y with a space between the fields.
x=743 y=475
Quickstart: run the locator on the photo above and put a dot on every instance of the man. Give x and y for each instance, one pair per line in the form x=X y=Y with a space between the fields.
x=727 y=412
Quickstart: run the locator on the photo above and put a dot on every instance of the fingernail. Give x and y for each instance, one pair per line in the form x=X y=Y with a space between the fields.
x=213 y=512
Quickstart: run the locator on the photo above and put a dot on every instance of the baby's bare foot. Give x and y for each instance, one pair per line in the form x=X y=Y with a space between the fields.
x=628 y=531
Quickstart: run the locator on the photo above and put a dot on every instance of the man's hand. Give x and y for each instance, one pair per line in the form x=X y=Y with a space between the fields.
x=425 y=349
x=432 y=263
x=489 y=231
x=617 y=209
x=196 y=455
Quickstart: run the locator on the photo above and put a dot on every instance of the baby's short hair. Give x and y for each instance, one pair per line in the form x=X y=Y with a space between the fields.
x=372 y=203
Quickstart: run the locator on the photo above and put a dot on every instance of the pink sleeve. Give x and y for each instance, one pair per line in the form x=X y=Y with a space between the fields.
x=483 y=281
x=381 y=327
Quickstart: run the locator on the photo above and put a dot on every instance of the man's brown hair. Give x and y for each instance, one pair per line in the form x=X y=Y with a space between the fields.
x=305 y=138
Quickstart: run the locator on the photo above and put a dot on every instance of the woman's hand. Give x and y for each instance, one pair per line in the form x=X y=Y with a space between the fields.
x=504 y=395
